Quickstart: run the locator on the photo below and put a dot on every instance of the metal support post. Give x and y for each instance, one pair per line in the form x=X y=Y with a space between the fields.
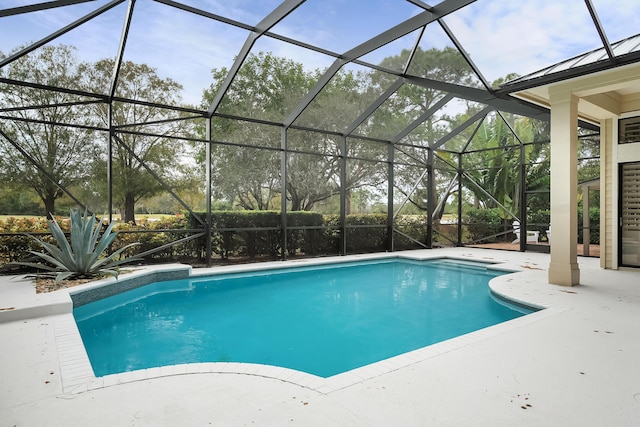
x=460 y=173
x=207 y=224
x=110 y=162
x=343 y=195
x=283 y=191
x=523 y=200
x=390 y=183
x=430 y=198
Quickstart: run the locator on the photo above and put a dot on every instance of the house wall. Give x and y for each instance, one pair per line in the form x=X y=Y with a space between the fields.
x=619 y=153
x=604 y=98
x=607 y=202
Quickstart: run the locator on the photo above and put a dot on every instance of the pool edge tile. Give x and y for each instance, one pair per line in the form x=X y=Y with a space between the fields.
x=74 y=376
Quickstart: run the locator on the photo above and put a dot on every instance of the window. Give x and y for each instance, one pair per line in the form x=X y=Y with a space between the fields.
x=630 y=214
x=629 y=130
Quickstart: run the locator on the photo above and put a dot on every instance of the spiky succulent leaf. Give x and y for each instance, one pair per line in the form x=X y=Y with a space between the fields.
x=107 y=238
x=53 y=260
x=54 y=251
x=110 y=261
x=61 y=239
x=64 y=275
x=82 y=237
x=36 y=265
x=82 y=254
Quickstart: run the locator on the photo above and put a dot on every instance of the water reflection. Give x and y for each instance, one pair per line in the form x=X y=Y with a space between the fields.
x=322 y=321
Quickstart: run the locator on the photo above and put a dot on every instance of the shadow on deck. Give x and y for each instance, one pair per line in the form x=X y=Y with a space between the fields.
x=594 y=250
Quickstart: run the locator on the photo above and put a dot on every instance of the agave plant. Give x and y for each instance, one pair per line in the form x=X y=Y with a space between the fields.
x=83 y=256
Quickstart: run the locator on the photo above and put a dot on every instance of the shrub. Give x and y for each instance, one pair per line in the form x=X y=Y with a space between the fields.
x=81 y=256
x=330 y=242
x=150 y=235
x=307 y=241
x=594 y=227
x=260 y=233
x=243 y=234
x=446 y=235
x=414 y=226
x=482 y=224
x=539 y=220
x=15 y=245
x=367 y=239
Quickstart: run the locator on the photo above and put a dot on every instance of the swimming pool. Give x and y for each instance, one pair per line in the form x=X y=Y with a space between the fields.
x=322 y=320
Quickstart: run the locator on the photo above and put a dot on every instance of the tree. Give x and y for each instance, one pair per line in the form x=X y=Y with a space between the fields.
x=337 y=105
x=588 y=155
x=146 y=141
x=312 y=178
x=16 y=198
x=445 y=65
x=59 y=152
x=410 y=102
x=267 y=88
x=247 y=176
x=264 y=88
x=492 y=169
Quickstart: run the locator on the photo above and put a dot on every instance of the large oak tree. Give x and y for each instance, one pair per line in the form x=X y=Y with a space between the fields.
x=142 y=137
x=43 y=150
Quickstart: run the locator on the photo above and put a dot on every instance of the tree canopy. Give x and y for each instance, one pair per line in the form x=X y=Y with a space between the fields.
x=35 y=150
x=143 y=145
x=331 y=146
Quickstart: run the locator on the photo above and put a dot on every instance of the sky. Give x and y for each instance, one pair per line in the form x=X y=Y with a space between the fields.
x=501 y=36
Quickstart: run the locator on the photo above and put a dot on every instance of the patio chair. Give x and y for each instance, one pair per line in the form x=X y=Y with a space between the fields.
x=531 y=236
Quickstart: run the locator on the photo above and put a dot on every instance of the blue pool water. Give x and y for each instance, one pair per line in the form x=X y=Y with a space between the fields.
x=321 y=320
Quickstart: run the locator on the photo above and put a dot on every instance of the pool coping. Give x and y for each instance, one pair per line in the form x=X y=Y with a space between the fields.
x=77 y=374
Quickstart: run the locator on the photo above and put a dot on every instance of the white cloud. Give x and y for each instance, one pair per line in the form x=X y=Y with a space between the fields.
x=620 y=18
x=502 y=36
x=523 y=36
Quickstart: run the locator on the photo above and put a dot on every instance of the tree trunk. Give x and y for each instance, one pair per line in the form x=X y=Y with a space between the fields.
x=347 y=202
x=296 y=203
x=49 y=205
x=129 y=208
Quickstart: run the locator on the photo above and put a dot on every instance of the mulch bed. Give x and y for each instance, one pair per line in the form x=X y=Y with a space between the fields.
x=47 y=284
x=44 y=285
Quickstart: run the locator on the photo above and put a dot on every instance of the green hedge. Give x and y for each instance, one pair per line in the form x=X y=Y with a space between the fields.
x=323 y=238
x=151 y=235
x=308 y=234
x=256 y=242
x=15 y=246
x=481 y=224
x=366 y=239
x=539 y=221
x=259 y=235
x=414 y=226
x=594 y=226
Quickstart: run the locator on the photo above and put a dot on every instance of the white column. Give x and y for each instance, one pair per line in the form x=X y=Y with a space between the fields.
x=563 y=269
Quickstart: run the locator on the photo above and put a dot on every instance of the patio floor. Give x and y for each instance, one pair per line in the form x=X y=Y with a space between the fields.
x=594 y=250
x=574 y=363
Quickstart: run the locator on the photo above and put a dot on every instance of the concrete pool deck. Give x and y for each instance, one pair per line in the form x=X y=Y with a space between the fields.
x=574 y=363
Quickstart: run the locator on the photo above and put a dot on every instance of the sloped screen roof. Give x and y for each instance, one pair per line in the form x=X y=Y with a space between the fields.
x=187 y=40
x=295 y=105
